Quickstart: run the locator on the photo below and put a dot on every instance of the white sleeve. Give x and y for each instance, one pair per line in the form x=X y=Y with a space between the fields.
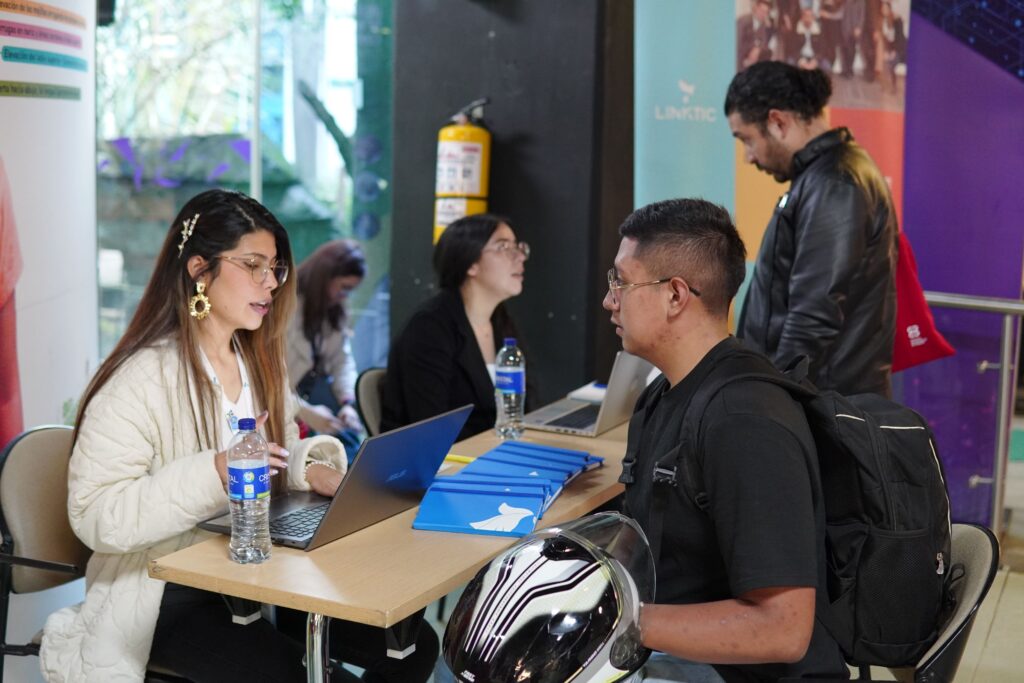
x=116 y=503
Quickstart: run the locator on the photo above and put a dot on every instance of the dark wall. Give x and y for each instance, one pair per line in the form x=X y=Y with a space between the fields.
x=559 y=76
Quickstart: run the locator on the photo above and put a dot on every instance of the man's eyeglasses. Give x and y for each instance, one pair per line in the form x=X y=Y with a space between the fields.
x=615 y=285
x=259 y=269
x=510 y=249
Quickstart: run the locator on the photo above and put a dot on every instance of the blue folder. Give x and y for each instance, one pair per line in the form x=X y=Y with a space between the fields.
x=485 y=465
x=480 y=508
x=548 y=487
x=571 y=469
x=565 y=454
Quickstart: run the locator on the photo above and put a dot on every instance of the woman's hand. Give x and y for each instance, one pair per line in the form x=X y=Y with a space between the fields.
x=321 y=420
x=278 y=455
x=349 y=418
x=220 y=461
x=323 y=480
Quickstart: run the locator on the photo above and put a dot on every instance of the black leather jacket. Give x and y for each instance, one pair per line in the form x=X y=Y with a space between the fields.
x=823 y=285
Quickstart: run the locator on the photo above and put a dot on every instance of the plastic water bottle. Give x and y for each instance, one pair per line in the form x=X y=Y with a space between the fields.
x=510 y=390
x=249 y=494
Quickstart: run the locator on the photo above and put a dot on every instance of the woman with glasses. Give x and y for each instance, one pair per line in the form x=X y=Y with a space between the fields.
x=320 y=363
x=205 y=347
x=444 y=358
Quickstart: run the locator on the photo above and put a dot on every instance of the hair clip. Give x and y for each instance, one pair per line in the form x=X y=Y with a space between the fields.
x=186 y=232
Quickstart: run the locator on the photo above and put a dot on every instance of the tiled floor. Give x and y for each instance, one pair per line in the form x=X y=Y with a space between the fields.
x=994 y=651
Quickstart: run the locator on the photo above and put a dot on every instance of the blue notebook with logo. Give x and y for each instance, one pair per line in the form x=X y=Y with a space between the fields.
x=548 y=487
x=480 y=508
x=486 y=465
x=504 y=491
x=586 y=460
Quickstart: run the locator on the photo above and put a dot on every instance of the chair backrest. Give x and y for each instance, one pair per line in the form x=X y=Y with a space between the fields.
x=977 y=550
x=369 y=390
x=34 y=507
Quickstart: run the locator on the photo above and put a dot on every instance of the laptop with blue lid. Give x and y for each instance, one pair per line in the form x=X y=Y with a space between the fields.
x=389 y=475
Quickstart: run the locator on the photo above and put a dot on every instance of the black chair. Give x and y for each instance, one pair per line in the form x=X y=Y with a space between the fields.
x=38 y=549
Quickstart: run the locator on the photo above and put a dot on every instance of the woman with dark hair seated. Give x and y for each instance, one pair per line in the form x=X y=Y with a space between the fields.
x=444 y=358
x=321 y=368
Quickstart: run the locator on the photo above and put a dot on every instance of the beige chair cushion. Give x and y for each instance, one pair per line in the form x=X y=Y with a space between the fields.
x=971 y=548
x=369 y=390
x=33 y=495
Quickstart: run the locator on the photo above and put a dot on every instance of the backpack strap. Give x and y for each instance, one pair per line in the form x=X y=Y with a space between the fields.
x=680 y=471
x=316 y=354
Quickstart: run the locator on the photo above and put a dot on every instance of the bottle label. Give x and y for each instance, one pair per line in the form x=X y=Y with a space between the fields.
x=510 y=380
x=250 y=483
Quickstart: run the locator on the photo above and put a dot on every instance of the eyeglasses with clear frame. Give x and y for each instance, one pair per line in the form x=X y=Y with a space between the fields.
x=510 y=249
x=259 y=269
x=615 y=285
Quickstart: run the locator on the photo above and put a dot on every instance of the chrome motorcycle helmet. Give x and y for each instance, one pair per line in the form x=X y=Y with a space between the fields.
x=561 y=605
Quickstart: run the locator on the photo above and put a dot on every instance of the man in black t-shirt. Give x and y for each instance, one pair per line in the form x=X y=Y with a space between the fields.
x=737 y=584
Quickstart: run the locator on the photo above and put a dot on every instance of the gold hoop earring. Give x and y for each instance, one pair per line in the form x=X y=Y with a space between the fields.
x=199 y=305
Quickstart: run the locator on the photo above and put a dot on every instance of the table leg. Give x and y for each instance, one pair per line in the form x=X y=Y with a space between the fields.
x=318 y=656
x=243 y=611
x=401 y=638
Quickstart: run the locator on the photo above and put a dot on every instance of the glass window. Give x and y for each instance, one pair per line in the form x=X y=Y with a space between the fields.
x=175 y=102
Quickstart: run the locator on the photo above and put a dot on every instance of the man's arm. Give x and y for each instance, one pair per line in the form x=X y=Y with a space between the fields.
x=832 y=229
x=763 y=625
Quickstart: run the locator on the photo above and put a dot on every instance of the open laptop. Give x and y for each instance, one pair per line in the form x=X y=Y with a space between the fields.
x=586 y=418
x=389 y=474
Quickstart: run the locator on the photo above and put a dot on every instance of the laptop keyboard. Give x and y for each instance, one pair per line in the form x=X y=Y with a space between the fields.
x=579 y=418
x=299 y=523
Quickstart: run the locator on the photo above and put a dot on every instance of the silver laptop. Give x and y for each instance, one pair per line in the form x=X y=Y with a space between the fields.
x=586 y=418
x=389 y=474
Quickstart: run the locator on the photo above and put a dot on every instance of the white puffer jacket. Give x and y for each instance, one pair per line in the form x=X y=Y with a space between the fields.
x=138 y=483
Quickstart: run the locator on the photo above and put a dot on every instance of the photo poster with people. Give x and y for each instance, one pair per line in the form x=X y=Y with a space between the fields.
x=688 y=52
x=48 y=306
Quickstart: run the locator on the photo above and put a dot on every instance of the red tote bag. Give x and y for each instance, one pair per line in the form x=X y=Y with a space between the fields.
x=917 y=340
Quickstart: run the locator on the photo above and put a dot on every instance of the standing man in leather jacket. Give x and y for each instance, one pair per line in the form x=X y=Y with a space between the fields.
x=823 y=285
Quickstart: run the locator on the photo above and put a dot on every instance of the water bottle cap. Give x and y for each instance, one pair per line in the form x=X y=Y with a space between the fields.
x=510 y=341
x=247 y=424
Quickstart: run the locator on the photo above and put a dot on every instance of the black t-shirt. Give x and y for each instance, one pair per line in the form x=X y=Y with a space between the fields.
x=765 y=526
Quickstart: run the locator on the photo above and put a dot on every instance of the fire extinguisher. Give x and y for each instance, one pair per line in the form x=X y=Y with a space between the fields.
x=463 y=167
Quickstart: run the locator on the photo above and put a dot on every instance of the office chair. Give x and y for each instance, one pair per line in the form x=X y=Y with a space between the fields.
x=369 y=392
x=977 y=550
x=38 y=549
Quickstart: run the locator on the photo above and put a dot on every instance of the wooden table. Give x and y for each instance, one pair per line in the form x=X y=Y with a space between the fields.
x=389 y=571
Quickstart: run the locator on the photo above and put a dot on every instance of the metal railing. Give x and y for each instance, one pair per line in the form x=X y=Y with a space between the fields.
x=1012 y=310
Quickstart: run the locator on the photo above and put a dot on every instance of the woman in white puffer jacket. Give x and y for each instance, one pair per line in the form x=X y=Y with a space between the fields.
x=204 y=348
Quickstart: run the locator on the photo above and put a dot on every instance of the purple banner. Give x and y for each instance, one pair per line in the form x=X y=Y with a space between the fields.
x=962 y=209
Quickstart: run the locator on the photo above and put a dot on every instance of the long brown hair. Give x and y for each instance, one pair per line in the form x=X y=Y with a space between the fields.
x=337 y=258
x=162 y=315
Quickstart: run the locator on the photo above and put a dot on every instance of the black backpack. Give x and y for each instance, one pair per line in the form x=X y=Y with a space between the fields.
x=886 y=509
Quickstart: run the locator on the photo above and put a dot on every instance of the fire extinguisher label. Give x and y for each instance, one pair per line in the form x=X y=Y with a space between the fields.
x=459 y=168
x=449 y=210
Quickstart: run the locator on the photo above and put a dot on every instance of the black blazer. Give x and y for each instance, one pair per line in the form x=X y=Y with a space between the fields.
x=434 y=366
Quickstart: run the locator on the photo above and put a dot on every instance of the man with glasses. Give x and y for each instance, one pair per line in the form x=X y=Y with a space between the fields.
x=738 y=582
x=824 y=282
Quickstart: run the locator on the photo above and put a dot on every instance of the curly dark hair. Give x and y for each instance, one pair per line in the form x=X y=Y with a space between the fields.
x=764 y=86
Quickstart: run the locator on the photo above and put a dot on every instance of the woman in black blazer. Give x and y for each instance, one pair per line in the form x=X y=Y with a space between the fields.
x=444 y=358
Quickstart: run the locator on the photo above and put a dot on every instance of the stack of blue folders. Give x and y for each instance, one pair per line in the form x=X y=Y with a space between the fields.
x=504 y=491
